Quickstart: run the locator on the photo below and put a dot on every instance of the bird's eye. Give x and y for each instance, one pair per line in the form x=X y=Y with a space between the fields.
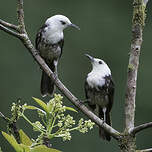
x=62 y=22
x=100 y=62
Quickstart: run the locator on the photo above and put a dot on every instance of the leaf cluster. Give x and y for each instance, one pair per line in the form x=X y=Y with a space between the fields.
x=53 y=122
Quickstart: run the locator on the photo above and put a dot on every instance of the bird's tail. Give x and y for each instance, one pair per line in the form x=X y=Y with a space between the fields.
x=102 y=133
x=47 y=85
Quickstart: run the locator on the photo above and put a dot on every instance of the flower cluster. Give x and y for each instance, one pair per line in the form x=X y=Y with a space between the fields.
x=38 y=126
x=17 y=110
x=83 y=126
x=54 y=122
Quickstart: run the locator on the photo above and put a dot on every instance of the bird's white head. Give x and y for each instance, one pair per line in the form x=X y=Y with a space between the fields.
x=59 y=23
x=99 y=65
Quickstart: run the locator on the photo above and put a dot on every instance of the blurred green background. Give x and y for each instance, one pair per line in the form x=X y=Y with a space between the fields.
x=105 y=33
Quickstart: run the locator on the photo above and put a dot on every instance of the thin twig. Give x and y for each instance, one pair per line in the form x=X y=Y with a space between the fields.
x=12 y=26
x=10 y=31
x=141 y=127
x=145 y=150
x=20 y=15
x=2 y=116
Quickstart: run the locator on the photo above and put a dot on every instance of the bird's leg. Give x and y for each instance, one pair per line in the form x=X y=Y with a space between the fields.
x=55 y=64
x=55 y=72
x=85 y=101
x=104 y=113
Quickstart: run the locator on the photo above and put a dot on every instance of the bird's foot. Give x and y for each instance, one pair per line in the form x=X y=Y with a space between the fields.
x=36 y=52
x=103 y=121
x=55 y=76
x=86 y=101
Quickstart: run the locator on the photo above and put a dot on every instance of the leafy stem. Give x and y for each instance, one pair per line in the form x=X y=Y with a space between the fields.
x=52 y=124
x=34 y=126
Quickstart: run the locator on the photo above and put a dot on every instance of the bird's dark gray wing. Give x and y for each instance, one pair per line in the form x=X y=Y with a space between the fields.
x=61 y=43
x=49 y=52
x=109 y=90
x=86 y=89
x=39 y=36
x=88 y=93
x=111 y=94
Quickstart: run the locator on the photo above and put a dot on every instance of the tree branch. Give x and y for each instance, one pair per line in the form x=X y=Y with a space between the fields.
x=138 y=23
x=114 y=133
x=145 y=150
x=27 y=43
x=145 y=2
x=5 y=29
x=137 y=29
x=20 y=16
x=141 y=127
x=12 y=26
x=2 y=116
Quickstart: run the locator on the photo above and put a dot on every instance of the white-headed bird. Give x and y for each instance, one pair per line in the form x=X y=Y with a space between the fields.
x=49 y=43
x=99 y=90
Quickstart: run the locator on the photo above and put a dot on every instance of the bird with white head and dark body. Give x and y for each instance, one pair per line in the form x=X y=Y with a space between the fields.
x=49 y=43
x=99 y=90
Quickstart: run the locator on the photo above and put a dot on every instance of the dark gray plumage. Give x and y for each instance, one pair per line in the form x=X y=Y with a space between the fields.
x=49 y=42
x=51 y=54
x=99 y=90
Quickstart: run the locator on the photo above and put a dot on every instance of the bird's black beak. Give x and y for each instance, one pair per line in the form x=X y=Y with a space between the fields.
x=90 y=57
x=75 y=26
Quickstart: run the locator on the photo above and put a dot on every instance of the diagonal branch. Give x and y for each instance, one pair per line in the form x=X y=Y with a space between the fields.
x=114 y=133
x=141 y=127
x=12 y=26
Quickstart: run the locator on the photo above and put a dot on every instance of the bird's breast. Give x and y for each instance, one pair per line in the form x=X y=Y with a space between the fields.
x=53 y=36
x=94 y=81
x=101 y=100
x=49 y=51
x=98 y=98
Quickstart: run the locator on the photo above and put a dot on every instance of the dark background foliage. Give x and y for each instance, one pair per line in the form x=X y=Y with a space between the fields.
x=105 y=33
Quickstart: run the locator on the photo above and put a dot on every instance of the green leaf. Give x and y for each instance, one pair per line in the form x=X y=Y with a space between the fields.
x=25 y=148
x=50 y=107
x=13 y=142
x=42 y=104
x=43 y=148
x=30 y=107
x=24 y=138
x=0 y=149
x=70 y=109
x=34 y=108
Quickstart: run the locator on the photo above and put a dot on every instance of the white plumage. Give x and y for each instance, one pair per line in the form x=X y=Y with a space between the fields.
x=99 y=90
x=55 y=26
x=49 y=43
x=99 y=71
